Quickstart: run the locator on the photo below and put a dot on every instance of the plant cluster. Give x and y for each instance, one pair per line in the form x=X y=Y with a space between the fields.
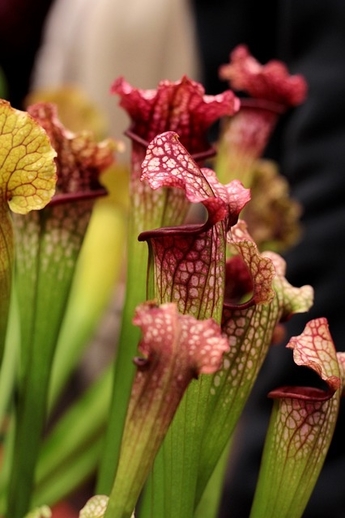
x=205 y=297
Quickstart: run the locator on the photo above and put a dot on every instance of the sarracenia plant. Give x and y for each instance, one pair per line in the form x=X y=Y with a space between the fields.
x=203 y=303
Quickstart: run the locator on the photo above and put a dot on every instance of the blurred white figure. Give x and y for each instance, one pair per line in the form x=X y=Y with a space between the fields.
x=89 y=44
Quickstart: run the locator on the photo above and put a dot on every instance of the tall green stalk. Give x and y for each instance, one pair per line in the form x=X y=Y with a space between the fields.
x=123 y=368
x=44 y=282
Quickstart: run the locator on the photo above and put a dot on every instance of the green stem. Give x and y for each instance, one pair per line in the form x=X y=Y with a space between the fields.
x=6 y=264
x=91 y=291
x=44 y=278
x=124 y=368
x=6 y=464
x=178 y=458
x=29 y=427
x=8 y=368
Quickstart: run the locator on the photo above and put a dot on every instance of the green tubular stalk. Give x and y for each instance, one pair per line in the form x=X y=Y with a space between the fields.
x=91 y=291
x=174 y=498
x=6 y=265
x=8 y=368
x=124 y=368
x=43 y=285
x=6 y=465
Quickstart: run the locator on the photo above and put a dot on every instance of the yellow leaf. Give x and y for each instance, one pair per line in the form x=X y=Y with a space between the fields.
x=27 y=168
